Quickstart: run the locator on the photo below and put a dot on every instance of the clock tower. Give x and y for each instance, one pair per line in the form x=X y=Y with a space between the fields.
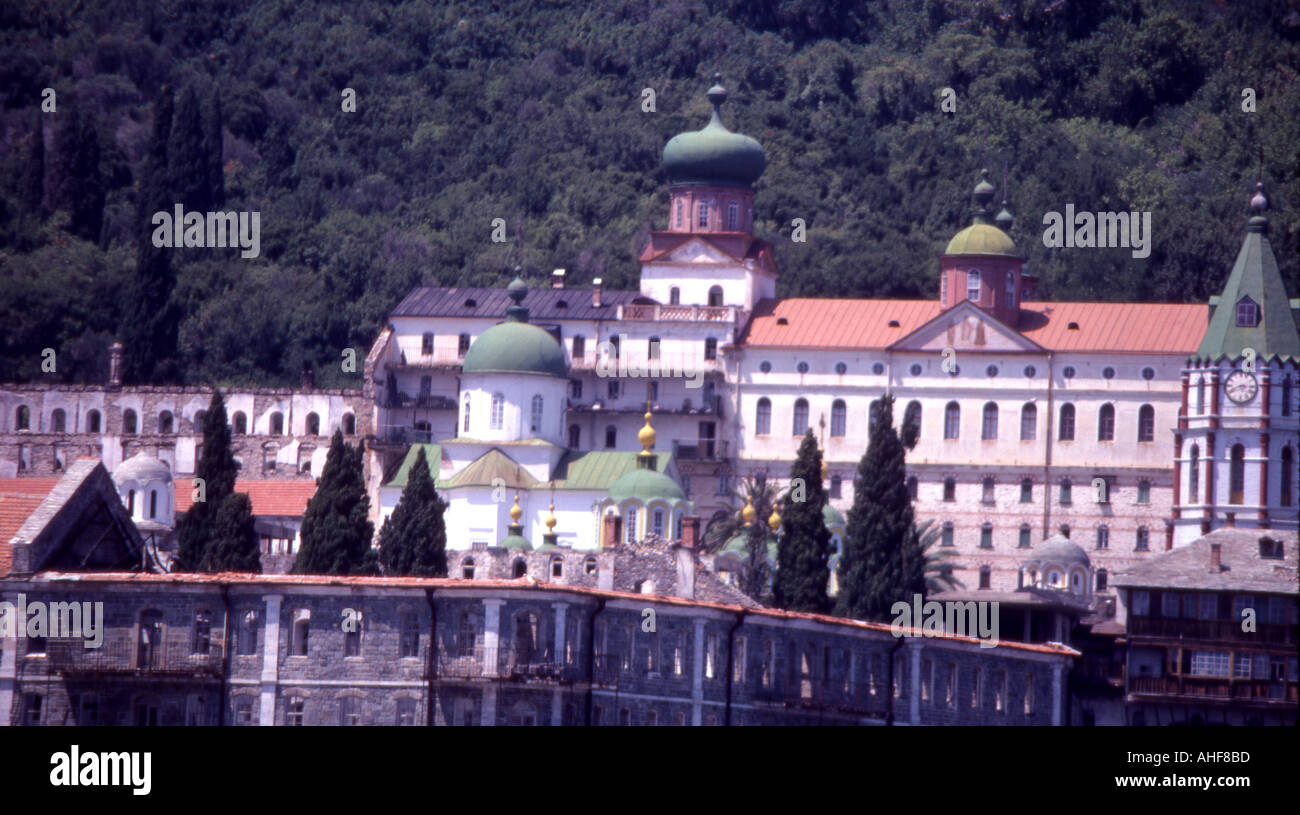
x=1235 y=461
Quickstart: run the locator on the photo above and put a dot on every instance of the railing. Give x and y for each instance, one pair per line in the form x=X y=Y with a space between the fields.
x=666 y=365
x=1270 y=633
x=699 y=449
x=121 y=654
x=439 y=358
x=695 y=314
x=1202 y=687
x=808 y=692
x=404 y=435
x=482 y=662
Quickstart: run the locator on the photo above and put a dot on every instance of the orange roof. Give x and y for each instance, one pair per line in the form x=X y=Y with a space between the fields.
x=1157 y=328
x=19 y=498
x=286 y=498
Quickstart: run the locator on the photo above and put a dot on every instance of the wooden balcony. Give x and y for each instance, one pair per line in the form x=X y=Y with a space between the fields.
x=1214 y=688
x=1210 y=630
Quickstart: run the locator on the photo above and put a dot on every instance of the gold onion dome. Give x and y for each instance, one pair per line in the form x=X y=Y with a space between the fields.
x=515 y=511
x=774 y=520
x=748 y=513
x=550 y=519
x=646 y=435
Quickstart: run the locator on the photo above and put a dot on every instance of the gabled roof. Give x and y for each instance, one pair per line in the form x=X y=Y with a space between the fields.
x=954 y=328
x=490 y=303
x=432 y=456
x=270 y=498
x=599 y=469
x=1157 y=328
x=735 y=247
x=1189 y=567
x=493 y=468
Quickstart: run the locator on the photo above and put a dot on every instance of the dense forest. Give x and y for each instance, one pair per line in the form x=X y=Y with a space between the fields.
x=532 y=112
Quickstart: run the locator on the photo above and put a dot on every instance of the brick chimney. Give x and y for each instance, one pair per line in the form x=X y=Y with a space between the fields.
x=691 y=532
x=308 y=378
x=1230 y=519
x=595 y=293
x=557 y=279
x=1216 y=557
x=115 y=365
x=611 y=530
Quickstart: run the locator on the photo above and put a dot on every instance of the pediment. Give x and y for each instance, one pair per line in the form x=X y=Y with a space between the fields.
x=696 y=251
x=965 y=327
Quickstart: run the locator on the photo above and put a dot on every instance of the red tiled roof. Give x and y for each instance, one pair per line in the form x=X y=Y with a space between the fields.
x=238 y=578
x=285 y=498
x=1158 y=328
x=19 y=498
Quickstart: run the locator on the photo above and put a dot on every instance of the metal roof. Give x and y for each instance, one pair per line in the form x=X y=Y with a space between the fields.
x=491 y=303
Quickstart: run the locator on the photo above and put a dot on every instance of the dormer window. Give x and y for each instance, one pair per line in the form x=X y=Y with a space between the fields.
x=973 y=285
x=1247 y=313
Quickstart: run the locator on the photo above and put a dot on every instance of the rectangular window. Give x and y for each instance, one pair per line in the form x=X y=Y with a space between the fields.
x=462 y=345
x=950 y=686
x=704 y=214
x=976 y=688
x=405 y=712
x=350 y=711
x=202 y=632
x=575 y=389
x=1144 y=492
x=1029 y=694
x=986 y=537
x=947 y=535
x=1209 y=663
x=1026 y=491
x=579 y=347
x=1000 y=693
x=836 y=486
x=1141 y=603
x=1026 y=539
x=33 y=703
x=1065 y=492
x=950 y=489
x=927 y=680
x=1170 y=602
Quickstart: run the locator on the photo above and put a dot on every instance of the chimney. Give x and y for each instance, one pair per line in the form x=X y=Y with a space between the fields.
x=308 y=378
x=115 y=365
x=595 y=292
x=691 y=532
x=685 y=570
x=1216 y=557
x=1230 y=519
x=613 y=525
x=557 y=279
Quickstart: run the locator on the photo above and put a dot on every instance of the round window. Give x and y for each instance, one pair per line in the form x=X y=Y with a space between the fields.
x=765 y=367
x=841 y=368
x=1108 y=372
x=1148 y=373
x=916 y=369
x=992 y=370
x=803 y=367
x=1030 y=371
x=1068 y=372
x=878 y=368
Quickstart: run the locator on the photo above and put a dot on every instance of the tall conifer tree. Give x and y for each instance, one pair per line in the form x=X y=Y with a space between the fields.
x=214 y=483
x=882 y=562
x=413 y=541
x=336 y=533
x=233 y=540
x=804 y=548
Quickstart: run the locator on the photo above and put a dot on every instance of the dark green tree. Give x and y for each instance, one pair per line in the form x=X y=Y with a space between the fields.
x=233 y=540
x=336 y=533
x=804 y=548
x=214 y=482
x=413 y=541
x=882 y=562
x=81 y=184
x=32 y=186
x=725 y=526
x=189 y=171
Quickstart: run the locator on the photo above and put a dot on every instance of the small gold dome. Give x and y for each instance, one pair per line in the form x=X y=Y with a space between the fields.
x=515 y=512
x=748 y=513
x=774 y=520
x=647 y=434
x=550 y=519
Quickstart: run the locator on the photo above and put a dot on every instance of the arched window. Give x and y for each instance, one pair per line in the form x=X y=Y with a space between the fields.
x=657 y=522
x=1288 y=475
x=733 y=216
x=313 y=424
x=1029 y=422
x=611 y=437
x=1194 y=475
x=575 y=437
x=1106 y=423
x=537 y=413
x=465 y=423
x=277 y=424
x=839 y=417
x=710 y=348
x=1237 y=475
x=92 y=421
x=703 y=210
x=973 y=285
x=22 y=418
x=1026 y=537
x=1103 y=537
x=912 y=417
x=153 y=503
x=59 y=421
x=952 y=421
x=1286 y=395
x=674 y=296
x=715 y=295
x=130 y=422
x=988 y=486
x=166 y=423
x=301 y=631
x=763 y=417
x=498 y=411
x=630 y=521
x=1026 y=490
x=1067 y=423
x=130 y=503
x=520 y=568
x=677 y=219
x=239 y=423
x=1146 y=423
x=990 y=429
x=349 y=424
x=1143 y=539
x=1011 y=289
x=1200 y=394
x=800 y=416
x=986 y=575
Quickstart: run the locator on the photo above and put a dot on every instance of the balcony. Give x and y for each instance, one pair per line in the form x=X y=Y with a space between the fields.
x=813 y=693
x=1216 y=688
x=439 y=358
x=403 y=436
x=482 y=662
x=685 y=314
x=699 y=449
x=121 y=655
x=638 y=363
x=1223 y=630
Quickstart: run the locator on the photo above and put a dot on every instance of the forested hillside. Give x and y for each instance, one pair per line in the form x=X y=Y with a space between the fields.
x=532 y=112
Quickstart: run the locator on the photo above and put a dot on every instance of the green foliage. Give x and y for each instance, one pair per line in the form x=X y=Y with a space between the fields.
x=882 y=562
x=531 y=112
x=804 y=548
x=756 y=568
x=233 y=542
x=197 y=534
x=335 y=532
x=413 y=541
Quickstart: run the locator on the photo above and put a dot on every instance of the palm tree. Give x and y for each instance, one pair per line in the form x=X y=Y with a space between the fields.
x=725 y=525
x=939 y=565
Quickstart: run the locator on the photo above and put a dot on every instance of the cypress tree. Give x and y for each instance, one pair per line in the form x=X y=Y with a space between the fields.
x=32 y=186
x=81 y=184
x=212 y=149
x=413 y=541
x=188 y=169
x=336 y=533
x=215 y=475
x=881 y=563
x=233 y=542
x=804 y=549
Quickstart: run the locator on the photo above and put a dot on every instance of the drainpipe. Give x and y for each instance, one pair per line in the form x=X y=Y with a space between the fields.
x=591 y=655
x=431 y=671
x=1047 y=462
x=889 y=689
x=225 y=656
x=731 y=663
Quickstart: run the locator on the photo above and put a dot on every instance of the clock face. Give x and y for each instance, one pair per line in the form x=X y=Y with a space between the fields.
x=1241 y=387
